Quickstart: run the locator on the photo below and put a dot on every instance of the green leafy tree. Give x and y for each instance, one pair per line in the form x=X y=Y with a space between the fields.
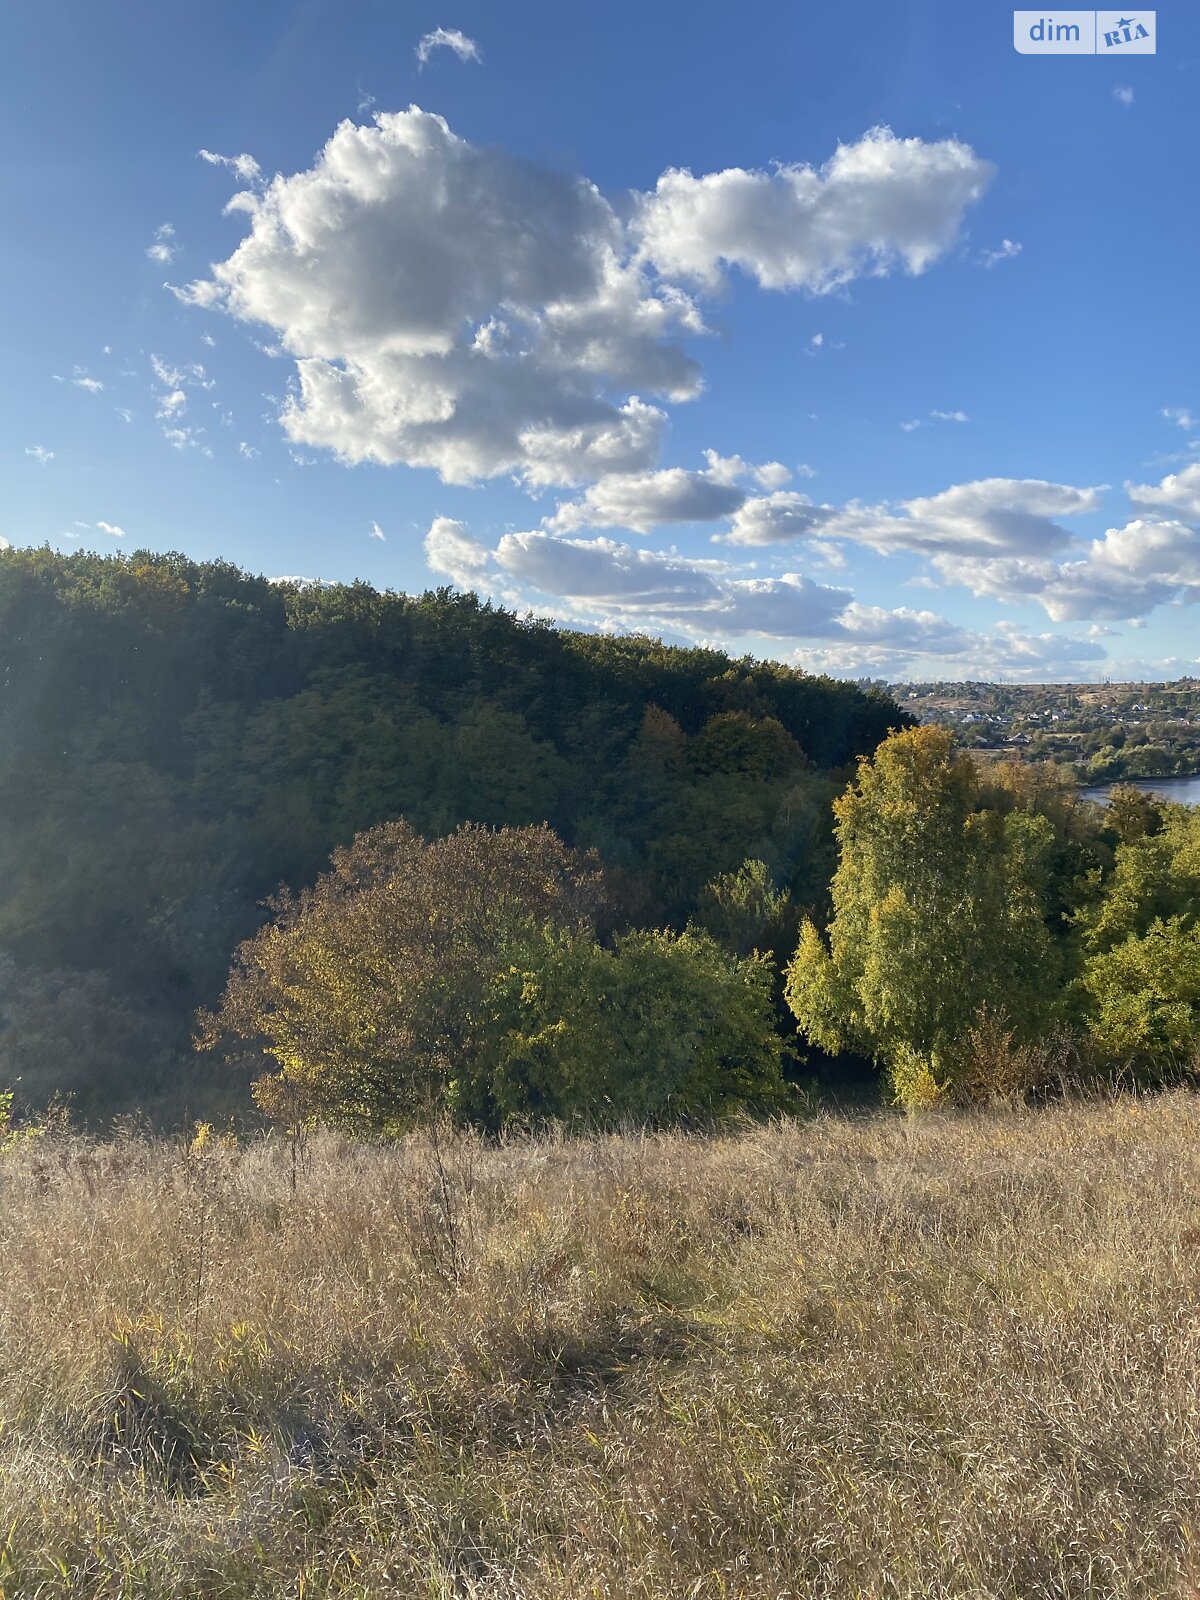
x=1132 y=814
x=735 y=741
x=745 y=912
x=1140 y=986
x=660 y=1028
x=1144 y=996
x=939 y=910
x=1156 y=875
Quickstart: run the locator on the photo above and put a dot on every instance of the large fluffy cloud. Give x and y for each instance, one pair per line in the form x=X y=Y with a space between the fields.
x=1000 y=515
x=453 y=552
x=1123 y=575
x=1177 y=495
x=777 y=518
x=646 y=587
x=646 y=500
x=1000 y=538
x=988 y=518
x=453 y=307
x=874 y=205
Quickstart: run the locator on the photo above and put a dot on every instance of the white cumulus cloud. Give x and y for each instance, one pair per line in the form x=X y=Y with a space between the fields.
x=874 y=206
x=925 y=644
x=1177 y=495
x=453 y=307
x=453 y=552
x=777 y=518
x=648 y=587
x=646 y=500
x=456 y=308
x=606 y=583
x=992 y=516
x=1120 y=577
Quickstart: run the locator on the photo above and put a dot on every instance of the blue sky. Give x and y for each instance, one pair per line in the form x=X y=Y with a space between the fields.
x=845 y=336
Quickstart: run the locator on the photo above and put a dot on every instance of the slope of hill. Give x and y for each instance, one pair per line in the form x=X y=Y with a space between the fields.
x=882 y=1357
x=178 y=738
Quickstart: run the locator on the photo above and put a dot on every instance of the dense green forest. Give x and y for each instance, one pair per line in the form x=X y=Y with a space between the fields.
x=177 y=740
x=420 y=857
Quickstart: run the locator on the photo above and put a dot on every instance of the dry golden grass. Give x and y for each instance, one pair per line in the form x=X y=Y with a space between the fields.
x=953 y=1356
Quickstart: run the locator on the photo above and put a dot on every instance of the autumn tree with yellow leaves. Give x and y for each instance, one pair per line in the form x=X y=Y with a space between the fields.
x=365 y=990
x=939 y=918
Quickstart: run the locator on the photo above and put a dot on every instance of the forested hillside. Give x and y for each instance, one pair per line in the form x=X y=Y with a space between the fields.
x=178 y=739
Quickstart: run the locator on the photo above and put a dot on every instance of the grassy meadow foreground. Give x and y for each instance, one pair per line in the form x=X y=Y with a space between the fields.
x=879 y=1356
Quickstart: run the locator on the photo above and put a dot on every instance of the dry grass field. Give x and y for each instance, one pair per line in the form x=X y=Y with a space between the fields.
x=956 y=1355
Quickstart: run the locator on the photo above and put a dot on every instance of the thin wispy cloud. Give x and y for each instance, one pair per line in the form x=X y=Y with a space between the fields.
x=42 y=456
x=448 y=39
x=111 y=529
x=173 y=377
x=187 y=439
x=949 y=416
x=245 y=166
x=164 y=247
x=1180 y=416
x=1007 y=250
x=1123 y=94
x=376 y=532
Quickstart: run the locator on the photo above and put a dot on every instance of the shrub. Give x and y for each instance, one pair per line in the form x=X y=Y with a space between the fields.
x=367 y=990
x=661 y=1028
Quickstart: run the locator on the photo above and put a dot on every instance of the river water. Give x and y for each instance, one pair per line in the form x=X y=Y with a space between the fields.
x=1184 y=791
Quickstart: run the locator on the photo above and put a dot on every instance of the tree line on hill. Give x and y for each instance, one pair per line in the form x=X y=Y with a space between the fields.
x=420 y=858
x=180 y=739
